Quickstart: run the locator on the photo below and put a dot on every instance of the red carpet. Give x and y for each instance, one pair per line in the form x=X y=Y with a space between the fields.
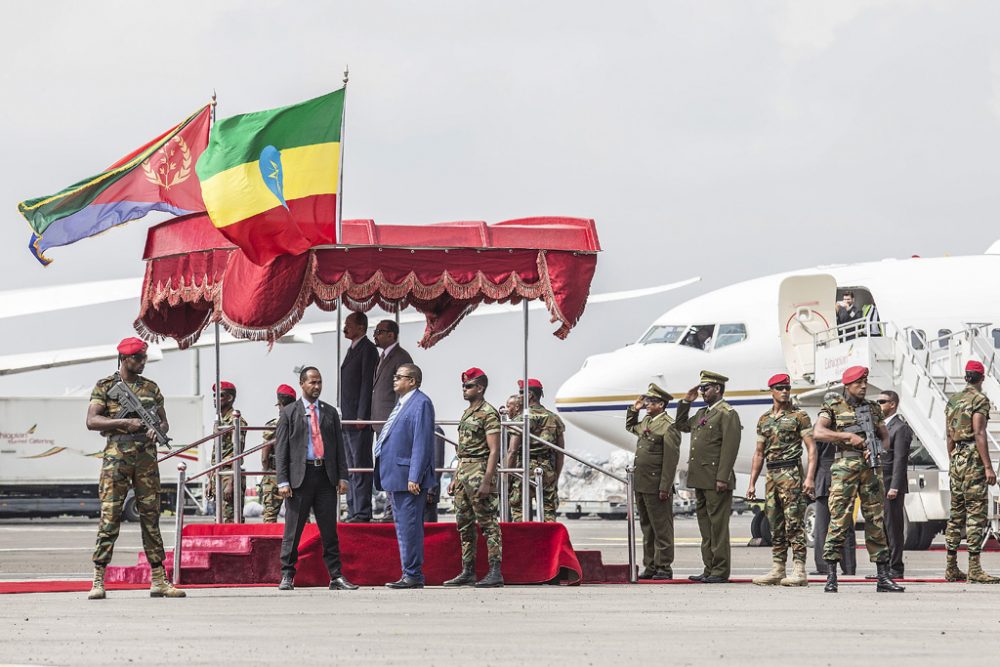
x=230 y=554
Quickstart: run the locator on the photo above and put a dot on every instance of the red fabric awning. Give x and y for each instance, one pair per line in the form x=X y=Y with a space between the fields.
x=194 y=276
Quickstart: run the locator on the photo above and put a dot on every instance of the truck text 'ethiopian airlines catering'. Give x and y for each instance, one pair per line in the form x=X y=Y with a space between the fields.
x=919 y=320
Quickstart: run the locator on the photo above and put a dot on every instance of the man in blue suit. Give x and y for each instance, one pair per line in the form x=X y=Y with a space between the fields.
x=404 y=467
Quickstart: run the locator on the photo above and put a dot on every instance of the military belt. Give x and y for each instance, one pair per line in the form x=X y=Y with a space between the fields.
x=965 y=443
x=129 y=438
x=848 y=454
x=781 y=465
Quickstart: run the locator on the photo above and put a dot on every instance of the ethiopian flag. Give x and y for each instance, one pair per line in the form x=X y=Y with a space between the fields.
x=269 y=178
x=158 y=176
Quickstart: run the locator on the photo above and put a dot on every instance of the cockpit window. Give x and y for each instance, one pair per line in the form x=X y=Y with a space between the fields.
x=663 y=333
x=730 y=334
x=699 y=336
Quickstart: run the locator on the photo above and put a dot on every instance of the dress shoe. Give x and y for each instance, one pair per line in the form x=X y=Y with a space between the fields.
x=662 y=575
x=342 y=584
x=871 y=577
x=405 y=582
x=715 y=579
x=700 y=578
x=286 y=583
x=645 y=575
x=357 y=519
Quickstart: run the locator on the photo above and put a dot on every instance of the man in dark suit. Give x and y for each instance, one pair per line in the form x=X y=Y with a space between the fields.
x=386 y=336
x=311 y=470
x=404 y=467
x=848 y=557
x=894 y=462
x=357 y=373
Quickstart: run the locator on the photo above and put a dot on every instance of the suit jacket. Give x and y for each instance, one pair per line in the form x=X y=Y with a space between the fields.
x=383 y=397
x=715 y=443
x=357 y=375
x=894 y=471
x=292 y=444
x=407 y=453
x=824 y=456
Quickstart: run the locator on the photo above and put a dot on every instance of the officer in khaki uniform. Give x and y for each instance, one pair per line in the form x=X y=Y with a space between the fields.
x=715 y=442
x=656 y=454
x=267 y=490
x=129 y=461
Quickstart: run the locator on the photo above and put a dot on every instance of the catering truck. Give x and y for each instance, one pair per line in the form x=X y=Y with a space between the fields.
x=50 y=463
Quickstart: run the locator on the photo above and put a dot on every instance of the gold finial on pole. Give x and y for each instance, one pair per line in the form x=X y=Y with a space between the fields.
x=346 y=72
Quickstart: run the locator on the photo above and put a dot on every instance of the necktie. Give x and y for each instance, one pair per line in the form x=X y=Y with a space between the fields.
x=385 y=429
x=317 y=437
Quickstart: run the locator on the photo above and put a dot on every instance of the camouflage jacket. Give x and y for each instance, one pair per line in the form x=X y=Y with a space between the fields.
x=269 y=435
x=227 y=439
x=841 y=416
x=144 y=388
x=958 y=413
x=477 y=422
x=657 y=450
x=546 y=425
x=782 y=434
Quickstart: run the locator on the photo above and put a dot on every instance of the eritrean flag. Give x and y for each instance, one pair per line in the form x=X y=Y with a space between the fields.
x=156 y=177
x=269 y=178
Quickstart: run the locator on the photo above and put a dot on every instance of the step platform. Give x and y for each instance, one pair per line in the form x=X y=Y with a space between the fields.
x=245 y=554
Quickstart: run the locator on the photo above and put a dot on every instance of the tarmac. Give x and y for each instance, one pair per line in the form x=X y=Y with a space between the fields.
x=528 y=625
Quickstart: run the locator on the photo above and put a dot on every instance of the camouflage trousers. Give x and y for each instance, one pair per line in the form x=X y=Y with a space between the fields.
x=129 y=464
x=850 y=478
x=270 y=501
x=785 y=511
x=227 y=502
x=550 y=491
x=470 y=509
x=969 y=499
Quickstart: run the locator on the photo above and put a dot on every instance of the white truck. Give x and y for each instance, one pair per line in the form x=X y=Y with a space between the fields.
x=50 y=463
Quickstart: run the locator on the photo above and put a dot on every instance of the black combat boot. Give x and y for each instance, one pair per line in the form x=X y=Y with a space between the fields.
x=831 y=577
x=885 y=584
x=466 y=578
x=493 y=578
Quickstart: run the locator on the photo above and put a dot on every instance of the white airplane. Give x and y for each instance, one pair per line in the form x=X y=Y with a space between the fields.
x=935 y=315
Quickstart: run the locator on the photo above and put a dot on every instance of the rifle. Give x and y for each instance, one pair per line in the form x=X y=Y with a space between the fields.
x=865 y=427
x=122 y=394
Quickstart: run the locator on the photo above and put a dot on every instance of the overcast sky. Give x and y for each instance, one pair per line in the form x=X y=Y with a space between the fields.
x=722 y=139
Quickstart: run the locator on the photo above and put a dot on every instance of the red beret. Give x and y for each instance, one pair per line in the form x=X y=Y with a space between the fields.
x=975 y=367
x=472 y=374
x=780 y=378
x=532 y=384
x=132 y=346
x=225 y=385
x=853 y=374
x=282 y=389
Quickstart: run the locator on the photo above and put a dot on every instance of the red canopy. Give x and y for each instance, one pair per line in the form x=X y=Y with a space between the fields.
x=195 y=276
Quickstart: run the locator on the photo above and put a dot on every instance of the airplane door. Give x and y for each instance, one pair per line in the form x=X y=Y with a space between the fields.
x=806 y=306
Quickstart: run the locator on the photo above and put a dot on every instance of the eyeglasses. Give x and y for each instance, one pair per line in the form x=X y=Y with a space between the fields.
x=469 y=385
x=397 y=376
x=380 y=331
x=781 y=387
x=705 y=387
x=883 y=401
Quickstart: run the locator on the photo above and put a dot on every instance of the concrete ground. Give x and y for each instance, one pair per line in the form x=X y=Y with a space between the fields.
x=592 y=625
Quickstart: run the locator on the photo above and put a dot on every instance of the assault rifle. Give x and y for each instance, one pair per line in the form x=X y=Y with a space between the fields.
x=122 y=394
x=865 y=427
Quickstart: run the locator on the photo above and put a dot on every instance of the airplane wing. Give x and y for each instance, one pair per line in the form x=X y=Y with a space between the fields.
x=302 y=333
x=34 y=300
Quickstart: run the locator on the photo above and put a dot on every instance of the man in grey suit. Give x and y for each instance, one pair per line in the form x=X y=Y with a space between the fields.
x=386 y=336
x=894 y=462
x=848 y=556
x=357 y=374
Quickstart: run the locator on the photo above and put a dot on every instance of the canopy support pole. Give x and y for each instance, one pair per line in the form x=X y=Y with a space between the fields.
x=340 y=326
x=525 y=434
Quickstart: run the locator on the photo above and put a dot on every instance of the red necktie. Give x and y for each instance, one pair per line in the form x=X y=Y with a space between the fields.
x=317 y=437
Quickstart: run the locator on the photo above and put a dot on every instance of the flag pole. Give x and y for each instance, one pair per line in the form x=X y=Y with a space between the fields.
x=218 y=352
x=339 y=239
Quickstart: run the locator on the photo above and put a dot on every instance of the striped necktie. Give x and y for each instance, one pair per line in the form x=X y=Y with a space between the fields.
x=385 y=429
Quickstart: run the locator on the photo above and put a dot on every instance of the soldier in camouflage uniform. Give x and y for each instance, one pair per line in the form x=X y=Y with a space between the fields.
x=227 y=397
x=970 y=473
x=854 y=475
x=780 y=434
x=129 y=461
x=474 y=485
x=657 y=451
x=550 y=428
x=267 y=489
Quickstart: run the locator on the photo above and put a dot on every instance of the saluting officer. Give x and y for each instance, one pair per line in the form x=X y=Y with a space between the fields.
x=129 y=461
x=656 y=454
x=715 y=442
x=970 y=473
x=853 y=476
x=474 y=485
x=780 y=434
x=267 y=490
